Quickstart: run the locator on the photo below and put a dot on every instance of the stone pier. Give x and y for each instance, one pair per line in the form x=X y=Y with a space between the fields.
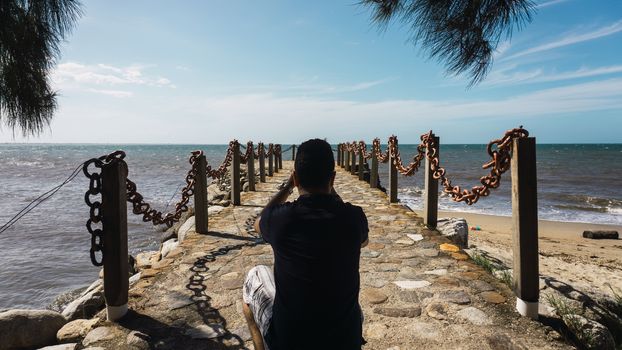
x=418 y=290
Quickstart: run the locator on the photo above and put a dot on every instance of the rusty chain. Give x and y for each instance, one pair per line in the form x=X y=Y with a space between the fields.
x=140 y=207
x=222 y=169
x=95 y=210
x=411 y=168
x=249 y=150
x=500 y=150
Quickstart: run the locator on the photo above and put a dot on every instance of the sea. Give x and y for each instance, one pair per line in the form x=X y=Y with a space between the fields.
x=46 y=252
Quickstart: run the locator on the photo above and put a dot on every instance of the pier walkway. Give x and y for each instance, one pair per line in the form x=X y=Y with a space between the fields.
x=417 y=290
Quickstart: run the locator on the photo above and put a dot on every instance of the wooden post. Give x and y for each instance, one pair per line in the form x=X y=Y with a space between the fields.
x=262 y=162
x=271 y=160
x=347 y=164
x=353 y=165
x=200 y=195
x=280 y=157
x=338 y=154
x=525 y=226
x=250 y=170
x=392 y=179
x=235 y=175
x=114 y=226
x=276 y=158
x=343 y=156
x=430 y=205
x=373 y=175
x=361 y=165
x=293 y=152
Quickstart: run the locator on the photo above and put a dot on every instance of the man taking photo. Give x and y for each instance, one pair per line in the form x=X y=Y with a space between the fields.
x=311 y=299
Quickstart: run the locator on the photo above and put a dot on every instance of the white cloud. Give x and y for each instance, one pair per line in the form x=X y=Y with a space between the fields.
x=550 y=3
x=100 y=77
x=114 y=93
x=311 y=88
x=506 y=76
x=571 y=39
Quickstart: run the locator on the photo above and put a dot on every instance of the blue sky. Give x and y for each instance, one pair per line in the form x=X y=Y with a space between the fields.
x=284 y=71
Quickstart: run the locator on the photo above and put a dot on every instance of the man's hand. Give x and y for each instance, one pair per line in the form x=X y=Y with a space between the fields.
x=279 y=198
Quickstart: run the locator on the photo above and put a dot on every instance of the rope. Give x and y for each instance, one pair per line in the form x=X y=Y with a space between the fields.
x=42 y=198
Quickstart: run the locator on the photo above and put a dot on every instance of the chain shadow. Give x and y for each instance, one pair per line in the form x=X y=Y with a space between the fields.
x=201 y=300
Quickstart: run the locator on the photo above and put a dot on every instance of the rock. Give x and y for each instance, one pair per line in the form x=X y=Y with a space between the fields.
x=592 y=334
x=75 y=330
x=168 y=234
x=456 y=229
x=493 y=297
x=411 y=284
x=408 y=296
x=446 y=247
x=503 y=341
x=437 y=310
x=63 y=299
x=405 y=241
x=374 y=296
x=437 y=272
x=214 y=193
x=475 y=316
x=370 y=254
x=425 y=330
x=376 y=283
x=232 y=284
x=415 y=236
x=138 y=340
x=481 y=286
x=215 y=209
x=207 y=331
x=184 y=229
x=453 y=296
x=144 y=259
x=376 y=331
x=88 y=304
x=398 y=312
x=168 y=246
x=242 y=332
x=29 y=328
x=69 y=346
x=98 y=334
x=601 y=234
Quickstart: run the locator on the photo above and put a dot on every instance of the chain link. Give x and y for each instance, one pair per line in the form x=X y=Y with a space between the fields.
x=249 y=150
x=140 y=207
x=95 y=206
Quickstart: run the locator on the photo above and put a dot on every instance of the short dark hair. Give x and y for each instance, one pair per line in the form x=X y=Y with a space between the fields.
x=314 y=164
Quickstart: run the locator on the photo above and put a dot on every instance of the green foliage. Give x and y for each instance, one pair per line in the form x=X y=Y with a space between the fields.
x=566 y=311
x=462 y=33
x=504 y=275
x=30 y=36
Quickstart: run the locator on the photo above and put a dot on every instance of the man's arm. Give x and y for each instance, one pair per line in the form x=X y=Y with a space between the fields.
x=279 y=198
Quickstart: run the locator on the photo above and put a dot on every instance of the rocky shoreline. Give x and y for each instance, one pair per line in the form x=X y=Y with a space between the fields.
x=68 y=317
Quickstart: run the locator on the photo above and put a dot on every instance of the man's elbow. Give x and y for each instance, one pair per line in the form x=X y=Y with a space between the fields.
x=256 y=226
x=364 y=244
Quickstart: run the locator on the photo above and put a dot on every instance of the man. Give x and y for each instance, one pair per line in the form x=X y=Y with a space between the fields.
x=311 y=300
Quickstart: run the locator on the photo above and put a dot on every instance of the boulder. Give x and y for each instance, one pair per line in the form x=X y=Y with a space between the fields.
x=88 y=304
x=185 y=228
x=68 y=346
x=456 y=229
x=29 y=328
x=214 y=193
x=75 y=330
x=144 y=260
x=168 y=246
x=592 y=334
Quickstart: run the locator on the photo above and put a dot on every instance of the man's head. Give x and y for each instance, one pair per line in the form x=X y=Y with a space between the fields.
x=314 y=166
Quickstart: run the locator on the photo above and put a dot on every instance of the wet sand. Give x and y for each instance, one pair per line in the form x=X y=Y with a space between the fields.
x=586 y=264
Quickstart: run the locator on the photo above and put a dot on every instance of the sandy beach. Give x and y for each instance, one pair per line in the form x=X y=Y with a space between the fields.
x=585 y=264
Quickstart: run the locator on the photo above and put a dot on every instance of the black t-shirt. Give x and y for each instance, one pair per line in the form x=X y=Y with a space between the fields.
x=317 y=244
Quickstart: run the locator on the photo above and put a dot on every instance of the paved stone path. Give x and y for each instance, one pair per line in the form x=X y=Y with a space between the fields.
x=414 y=294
